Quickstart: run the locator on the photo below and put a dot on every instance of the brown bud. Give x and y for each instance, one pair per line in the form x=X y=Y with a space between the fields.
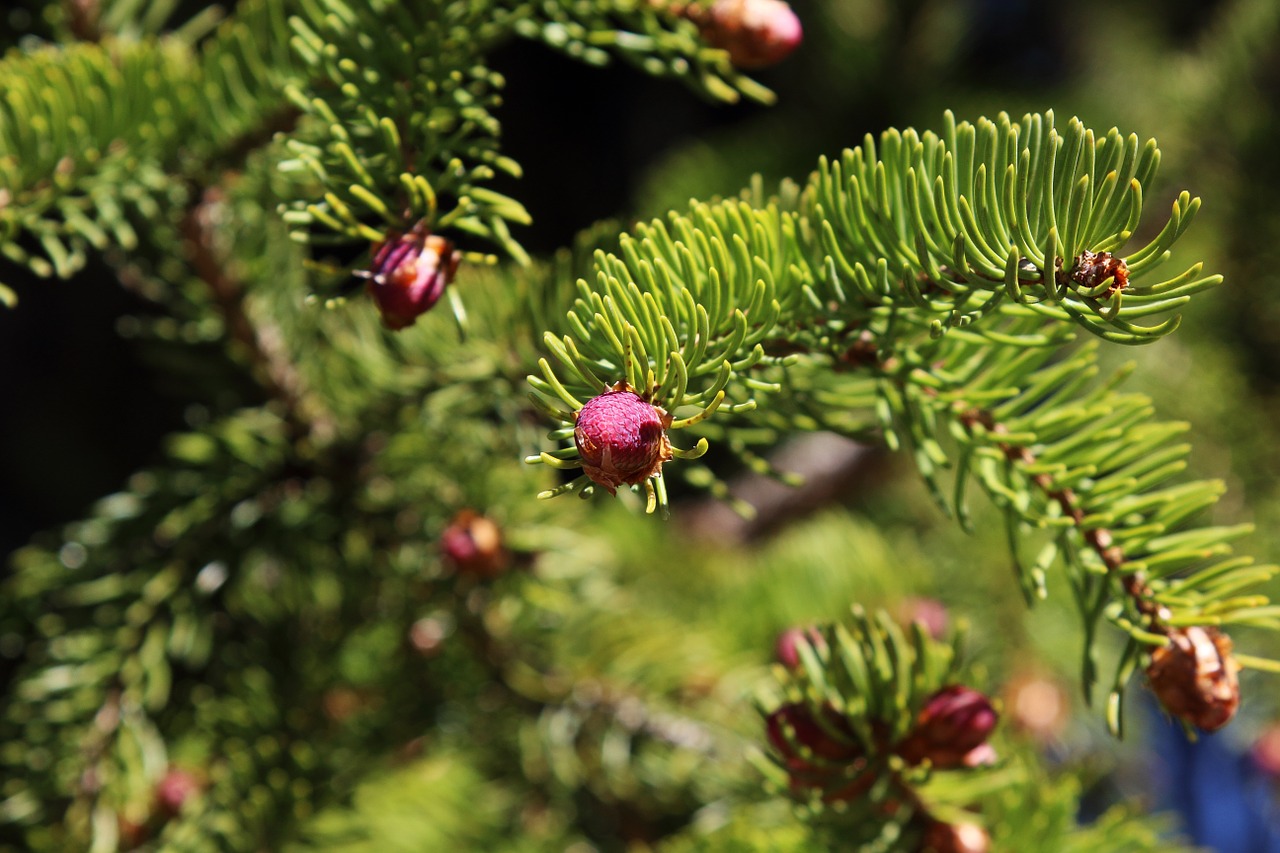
x=1194 y=675
x=472 y=544
x=954 y=722
x=1092 y=269
x=132 y=833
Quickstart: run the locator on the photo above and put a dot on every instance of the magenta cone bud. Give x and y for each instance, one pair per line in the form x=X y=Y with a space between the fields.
x=756 y=33
x=408 y=275
x=621 y=438
x=954 y=721
x=1195 y=677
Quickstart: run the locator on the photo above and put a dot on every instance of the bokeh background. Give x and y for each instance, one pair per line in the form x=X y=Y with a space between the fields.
x=83 y=405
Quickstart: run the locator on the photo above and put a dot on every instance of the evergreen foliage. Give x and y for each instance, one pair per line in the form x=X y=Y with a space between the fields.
x=334 y=615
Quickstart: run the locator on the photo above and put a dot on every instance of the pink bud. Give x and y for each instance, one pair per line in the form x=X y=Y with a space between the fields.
x=756 y=33
x=953 y=722
x=929 y=612
x=621 y=438
x=174 y=790
x=473 y=545
x=787 y=647
x=409 y=274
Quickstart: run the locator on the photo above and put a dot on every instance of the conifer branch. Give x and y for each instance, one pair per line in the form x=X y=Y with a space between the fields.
x=922 y=290
x=913 y=293
x=666 y=38
x=261 y=340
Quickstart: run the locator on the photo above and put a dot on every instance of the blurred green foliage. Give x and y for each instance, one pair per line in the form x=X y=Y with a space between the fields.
x=616 y=709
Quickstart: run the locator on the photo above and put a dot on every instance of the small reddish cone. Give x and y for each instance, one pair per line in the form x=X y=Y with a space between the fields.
x=1093 y=269
x=621 y=438
x=954 y=722
x=942 y=837
x=473 y=545
x=1195 y=677
x=174 y=790
x=408 y=275
x=756 y=33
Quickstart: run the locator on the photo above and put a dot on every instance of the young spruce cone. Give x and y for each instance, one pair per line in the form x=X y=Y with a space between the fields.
x=409 y=274
x=1195 y=677
x=621 y=438
x=951 y=730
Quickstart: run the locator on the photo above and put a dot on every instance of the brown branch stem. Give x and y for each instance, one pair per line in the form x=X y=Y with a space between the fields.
x=1098 y=539
x=261 y=341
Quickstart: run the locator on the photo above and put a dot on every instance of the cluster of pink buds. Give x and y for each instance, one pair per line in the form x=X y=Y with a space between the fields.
x=951 y=730
x=409 y=273
x=821 y=751
x=621 y=438
x=755 y=33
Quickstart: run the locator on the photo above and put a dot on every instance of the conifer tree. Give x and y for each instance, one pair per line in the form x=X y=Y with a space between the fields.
x=355 y=607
